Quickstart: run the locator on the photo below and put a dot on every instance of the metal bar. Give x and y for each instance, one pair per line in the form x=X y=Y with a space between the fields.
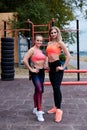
x=78 y=66
x=69 y=83
x=73 y=71
x=52 y=21
x=4 y=28
x=42 y=32
x=40 y=25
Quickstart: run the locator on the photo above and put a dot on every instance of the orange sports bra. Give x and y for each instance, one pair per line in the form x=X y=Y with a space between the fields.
x=53 y=49
x=37 y=56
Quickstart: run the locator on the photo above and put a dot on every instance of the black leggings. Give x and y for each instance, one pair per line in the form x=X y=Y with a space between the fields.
x=56 y=79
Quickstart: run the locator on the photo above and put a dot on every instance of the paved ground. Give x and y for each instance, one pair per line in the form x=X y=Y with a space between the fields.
x=16 y=107
x=82 y=64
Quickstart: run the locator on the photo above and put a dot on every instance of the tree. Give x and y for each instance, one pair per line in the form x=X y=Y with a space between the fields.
x=41 y=11
x=10 y=5
x=79 y=5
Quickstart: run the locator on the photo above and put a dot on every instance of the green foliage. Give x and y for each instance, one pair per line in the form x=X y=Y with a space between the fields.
x=60 y=10
x=42 y=11
x=62 y=57
x=37 y=12
x=69 y=37
x=10 y=5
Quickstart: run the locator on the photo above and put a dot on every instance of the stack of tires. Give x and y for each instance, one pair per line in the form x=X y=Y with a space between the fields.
x=7 y=59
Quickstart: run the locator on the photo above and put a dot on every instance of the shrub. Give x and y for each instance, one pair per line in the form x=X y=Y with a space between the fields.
x=62 y=57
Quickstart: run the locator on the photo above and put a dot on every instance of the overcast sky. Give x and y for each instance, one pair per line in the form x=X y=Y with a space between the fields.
x=82 y=35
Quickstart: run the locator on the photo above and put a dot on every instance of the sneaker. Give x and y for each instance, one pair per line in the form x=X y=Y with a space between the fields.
x=53 y=110
x=35 y=111
x=40 y=116
x=58 y=116
x=43 y=112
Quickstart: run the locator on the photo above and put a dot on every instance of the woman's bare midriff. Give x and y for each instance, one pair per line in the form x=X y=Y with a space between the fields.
x=52 y=58
x=39 y=64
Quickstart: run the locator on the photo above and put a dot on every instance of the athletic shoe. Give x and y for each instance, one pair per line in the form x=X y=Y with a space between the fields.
x=39 y=116
x=35 y=111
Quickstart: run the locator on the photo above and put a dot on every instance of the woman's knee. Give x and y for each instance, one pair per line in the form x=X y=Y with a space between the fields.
x=39 y=90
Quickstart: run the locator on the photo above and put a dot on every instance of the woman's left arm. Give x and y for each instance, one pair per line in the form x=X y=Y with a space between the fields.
x=67 y=53
x=46 y=63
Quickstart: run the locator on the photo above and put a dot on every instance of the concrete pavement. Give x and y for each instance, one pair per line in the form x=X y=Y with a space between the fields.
x=82 y=64
x=16 y=104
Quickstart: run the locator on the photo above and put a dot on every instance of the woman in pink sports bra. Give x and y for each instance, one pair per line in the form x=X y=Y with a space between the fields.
x=56 y=69
x=38 y=60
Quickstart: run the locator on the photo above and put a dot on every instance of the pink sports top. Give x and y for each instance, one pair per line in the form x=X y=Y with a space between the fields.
x=37 y=56
x=53 y=49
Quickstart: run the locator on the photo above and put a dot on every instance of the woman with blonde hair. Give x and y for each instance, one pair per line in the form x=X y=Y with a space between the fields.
x=56 y=69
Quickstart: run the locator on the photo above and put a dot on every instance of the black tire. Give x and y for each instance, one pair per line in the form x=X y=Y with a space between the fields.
x=7 y=39
x=7 y=52
x=9 y=74
x=7 y=71
x=7 y=55
x=7 y=59
x=7 y=44
x=7 y=77
x=7 y=47
x=7 y=68
x=7 y=63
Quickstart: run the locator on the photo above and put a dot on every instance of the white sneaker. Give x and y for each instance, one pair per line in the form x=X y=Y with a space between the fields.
x=40 y=116
x=35 y=111
x=43 y=112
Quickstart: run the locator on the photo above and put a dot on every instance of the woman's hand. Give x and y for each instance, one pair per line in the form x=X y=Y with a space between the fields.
x=59 y=68
x=34 y=70
x=47 y=69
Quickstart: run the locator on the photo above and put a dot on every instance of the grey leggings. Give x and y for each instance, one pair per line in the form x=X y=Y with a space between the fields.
x=56 y=79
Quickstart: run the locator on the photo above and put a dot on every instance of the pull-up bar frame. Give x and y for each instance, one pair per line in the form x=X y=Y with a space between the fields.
x=71 y=82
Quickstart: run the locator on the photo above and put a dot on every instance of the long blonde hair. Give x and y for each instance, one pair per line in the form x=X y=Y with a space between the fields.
x=59 y=37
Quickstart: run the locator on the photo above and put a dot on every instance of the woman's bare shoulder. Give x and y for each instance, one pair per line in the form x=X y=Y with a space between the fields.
x=61 y=43
x=31 y=50
x=49 y=42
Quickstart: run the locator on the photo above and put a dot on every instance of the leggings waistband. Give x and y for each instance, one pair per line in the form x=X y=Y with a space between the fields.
x=54 y=64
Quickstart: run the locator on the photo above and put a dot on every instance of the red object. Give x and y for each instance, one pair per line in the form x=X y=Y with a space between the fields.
x=75 y=71
x=69 y=83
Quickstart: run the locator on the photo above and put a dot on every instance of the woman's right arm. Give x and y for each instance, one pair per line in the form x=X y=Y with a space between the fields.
x=26 y=59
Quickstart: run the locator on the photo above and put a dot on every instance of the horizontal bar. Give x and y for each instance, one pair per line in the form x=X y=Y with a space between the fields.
x=69 y=83
x=40 y=25
x=16 y=30
x=73 y=71
x=41 y=32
